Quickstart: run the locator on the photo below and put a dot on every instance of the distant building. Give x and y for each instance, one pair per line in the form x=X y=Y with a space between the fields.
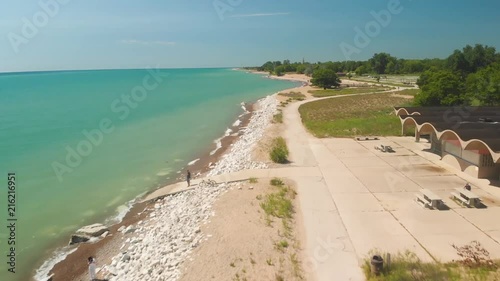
x=468 y=138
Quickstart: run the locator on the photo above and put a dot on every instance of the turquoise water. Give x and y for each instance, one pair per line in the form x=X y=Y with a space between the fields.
x=83 y=143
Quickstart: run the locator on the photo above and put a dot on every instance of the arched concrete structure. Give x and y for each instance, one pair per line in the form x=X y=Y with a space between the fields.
x=468 y=153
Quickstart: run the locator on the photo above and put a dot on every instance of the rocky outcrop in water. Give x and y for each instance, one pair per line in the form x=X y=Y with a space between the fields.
x=86 y=233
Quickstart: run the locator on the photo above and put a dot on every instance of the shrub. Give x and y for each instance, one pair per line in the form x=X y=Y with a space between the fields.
x=276 y=182
x=277 y=205
x=278 y=118
x=474 y=256
x=279 y=151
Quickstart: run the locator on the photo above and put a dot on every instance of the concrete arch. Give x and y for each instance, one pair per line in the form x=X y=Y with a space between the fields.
x=427 y=128
x=402 y=111
x=450 y=135
x=476 y=144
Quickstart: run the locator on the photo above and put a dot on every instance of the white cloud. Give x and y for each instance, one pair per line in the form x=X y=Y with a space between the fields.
x=139 y=42
x=259 y=15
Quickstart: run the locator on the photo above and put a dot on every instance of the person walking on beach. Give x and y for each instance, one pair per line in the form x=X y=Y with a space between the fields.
x=188 y=178
x=92 y=269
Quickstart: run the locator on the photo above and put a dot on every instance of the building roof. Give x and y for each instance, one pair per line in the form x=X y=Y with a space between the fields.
x=474 y=127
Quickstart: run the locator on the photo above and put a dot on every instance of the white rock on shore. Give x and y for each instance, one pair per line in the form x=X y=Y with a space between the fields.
x=88 y=232
x=158 y=245
x=240 y=156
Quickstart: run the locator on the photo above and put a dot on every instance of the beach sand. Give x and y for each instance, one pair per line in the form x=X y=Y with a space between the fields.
x=242 y=245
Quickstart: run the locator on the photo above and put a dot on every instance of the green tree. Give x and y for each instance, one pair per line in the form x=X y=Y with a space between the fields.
x=325 y=78
x=280 y=70
x=309 y=70
x=363 y=69
x=483 y=87
x=471 y=59
x=391 y=68
x=268 y=67
x=301 y=69
x=380 y=61
x=441 y=87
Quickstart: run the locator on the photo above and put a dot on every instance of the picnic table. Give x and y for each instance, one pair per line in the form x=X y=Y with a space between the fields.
x=428 y=199
x=466 y=197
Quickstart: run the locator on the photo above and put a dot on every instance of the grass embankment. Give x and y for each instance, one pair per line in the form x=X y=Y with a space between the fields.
x=408 y=92
x=278 y=206
x=279 y=151
x=407 y=266
x=346 y=91
x=293 y=95
x=365 y=115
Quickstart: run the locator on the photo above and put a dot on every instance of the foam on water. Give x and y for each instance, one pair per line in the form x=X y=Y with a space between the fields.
x=218 y=142
x=164 y=172
x=237 y=123
x=42 y=273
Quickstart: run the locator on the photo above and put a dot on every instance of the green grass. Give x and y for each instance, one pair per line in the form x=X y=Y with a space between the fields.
x=279 y=151
x=409 y=92
x=276 y=182
x=278 y=117
x=278 y=205
x=297 y=271
x=253 y=180
x=407 y=267
x=281 y=246
x=351 y=116
x=346 y=91
x=293 y=95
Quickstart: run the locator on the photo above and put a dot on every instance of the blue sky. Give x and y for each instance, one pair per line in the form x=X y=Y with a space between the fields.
x=95 y=34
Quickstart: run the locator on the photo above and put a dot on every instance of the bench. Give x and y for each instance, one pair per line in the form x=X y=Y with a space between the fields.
x=428 y=199
x=366 y=138
x=466 y=198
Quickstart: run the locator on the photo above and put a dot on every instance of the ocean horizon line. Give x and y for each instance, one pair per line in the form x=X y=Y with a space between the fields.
x=109 y=69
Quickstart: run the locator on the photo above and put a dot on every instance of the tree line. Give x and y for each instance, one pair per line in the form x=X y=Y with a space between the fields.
x=470 y=76
x=380 y=63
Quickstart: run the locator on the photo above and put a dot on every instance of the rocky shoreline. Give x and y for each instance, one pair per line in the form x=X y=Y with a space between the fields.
x=166 y=238
x=154 y=247
x=240 y=155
